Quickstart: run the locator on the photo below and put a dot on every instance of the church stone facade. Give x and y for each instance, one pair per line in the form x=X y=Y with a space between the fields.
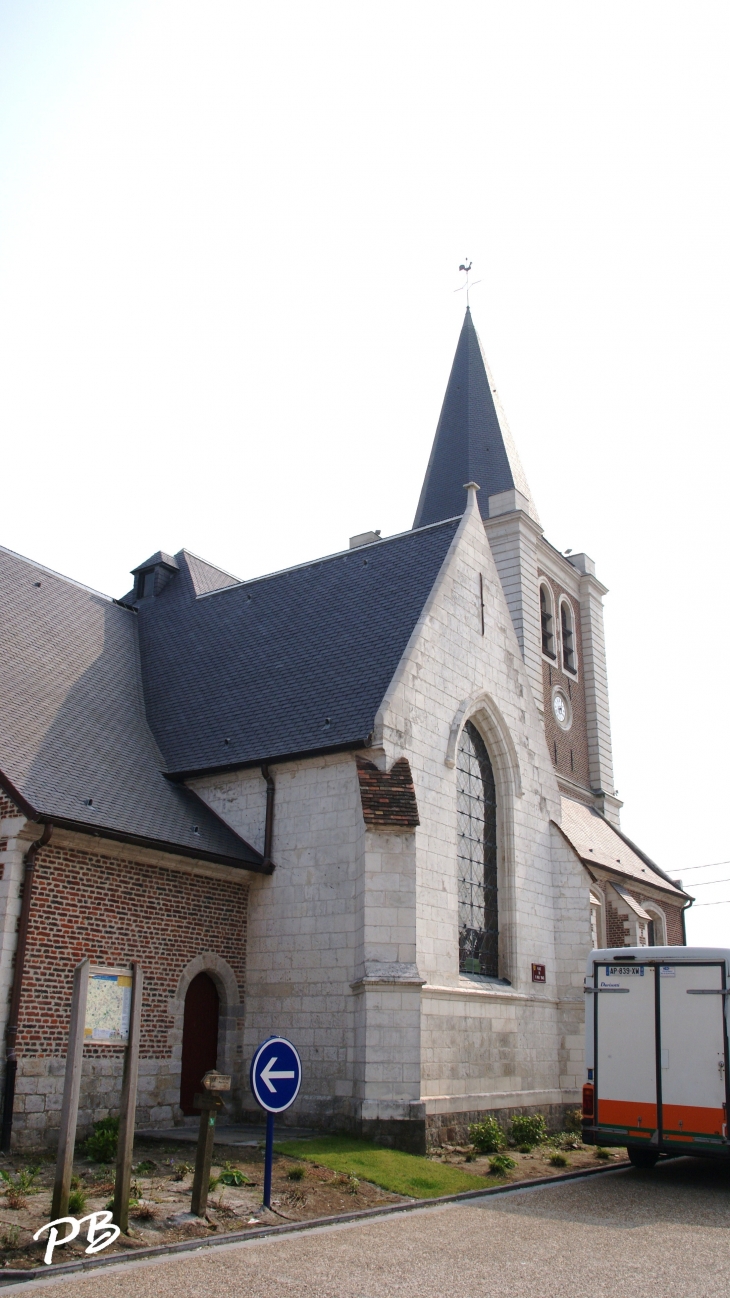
x=366 y=803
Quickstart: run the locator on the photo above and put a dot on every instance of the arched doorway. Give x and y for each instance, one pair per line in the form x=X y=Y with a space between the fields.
x=200 y=1038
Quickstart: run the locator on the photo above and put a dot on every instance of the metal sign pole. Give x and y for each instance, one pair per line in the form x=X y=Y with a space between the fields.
x=268 y=1159
x=71 y=1091
x=128 y=1106
x=275 y=1079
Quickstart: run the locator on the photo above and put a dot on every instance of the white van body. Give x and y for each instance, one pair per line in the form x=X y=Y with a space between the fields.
x=657 y=1050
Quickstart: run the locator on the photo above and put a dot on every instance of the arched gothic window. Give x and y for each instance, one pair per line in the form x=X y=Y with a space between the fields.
x=546 y=621
x=477 y=856
x=567 y=627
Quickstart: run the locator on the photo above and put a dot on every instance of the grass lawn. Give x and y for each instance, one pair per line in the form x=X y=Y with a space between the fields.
x=401 y=1173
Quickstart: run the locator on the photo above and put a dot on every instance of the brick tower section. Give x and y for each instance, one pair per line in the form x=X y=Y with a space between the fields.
x=568 y=748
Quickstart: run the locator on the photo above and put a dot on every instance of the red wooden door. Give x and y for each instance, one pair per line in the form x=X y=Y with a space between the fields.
x=200 y=1038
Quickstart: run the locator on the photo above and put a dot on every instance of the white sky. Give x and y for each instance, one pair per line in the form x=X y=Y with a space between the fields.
x=229 y=240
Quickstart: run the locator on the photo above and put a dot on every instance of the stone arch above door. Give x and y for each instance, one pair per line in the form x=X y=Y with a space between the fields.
x=230 y=1022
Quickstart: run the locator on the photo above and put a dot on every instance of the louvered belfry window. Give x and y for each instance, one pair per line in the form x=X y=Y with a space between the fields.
x=477 y=856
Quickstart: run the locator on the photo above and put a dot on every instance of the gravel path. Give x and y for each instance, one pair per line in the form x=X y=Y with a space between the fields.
x=662 y=1234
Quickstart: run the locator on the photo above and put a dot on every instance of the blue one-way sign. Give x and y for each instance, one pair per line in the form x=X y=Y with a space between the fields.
x=276 y=1074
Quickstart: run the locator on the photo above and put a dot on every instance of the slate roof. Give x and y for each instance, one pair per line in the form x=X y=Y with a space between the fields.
x=598 y=843
x=286 y=665
x=472 y=443
x=72 y=723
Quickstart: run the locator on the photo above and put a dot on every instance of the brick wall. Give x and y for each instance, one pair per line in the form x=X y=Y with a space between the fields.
x=672 y=915
x=618 y=920
x=568 y=748
x=7 y=806
x=115 y=910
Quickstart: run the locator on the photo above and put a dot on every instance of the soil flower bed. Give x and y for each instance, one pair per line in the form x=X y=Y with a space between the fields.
x=320 y=1177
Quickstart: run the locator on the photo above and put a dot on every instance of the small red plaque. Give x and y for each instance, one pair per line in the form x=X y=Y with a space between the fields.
x=538 y=973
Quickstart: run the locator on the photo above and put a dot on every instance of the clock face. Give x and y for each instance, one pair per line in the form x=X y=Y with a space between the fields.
x=560 y=708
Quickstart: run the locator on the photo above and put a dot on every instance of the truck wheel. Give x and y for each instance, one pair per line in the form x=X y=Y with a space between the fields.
x=639 y=1156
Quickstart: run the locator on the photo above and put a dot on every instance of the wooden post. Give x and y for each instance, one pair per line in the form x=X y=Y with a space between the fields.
x=208 y=1105
x=71 y=1091
x=128 y=1106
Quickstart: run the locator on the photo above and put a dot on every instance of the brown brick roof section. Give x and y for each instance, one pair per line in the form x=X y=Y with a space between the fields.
x=388 y=797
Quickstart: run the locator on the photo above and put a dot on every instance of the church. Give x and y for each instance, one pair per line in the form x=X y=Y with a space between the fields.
x=366 y=803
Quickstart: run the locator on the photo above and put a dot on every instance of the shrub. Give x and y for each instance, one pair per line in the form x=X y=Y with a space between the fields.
x=233 y=1176
x=110 y=1204
x=529 y=1129
x=145 y=1212
x=558 y=1160
x=145 y=1167
x=296 y=1173
x=602 y=1153
x=181 y=1171
x=525 y=1149
x=574 y=1120
x=501 y=1164
x=101 y=1145
x=567 y=1140
x=19 y=1185
x=76 y=1202
x=10 y=1238
x=487 y=1136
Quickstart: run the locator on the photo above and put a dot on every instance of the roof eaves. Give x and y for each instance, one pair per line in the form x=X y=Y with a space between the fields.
x=646 y=859
x=22 y=803
x=195 y=773
x=161 y=845
x=622 y=874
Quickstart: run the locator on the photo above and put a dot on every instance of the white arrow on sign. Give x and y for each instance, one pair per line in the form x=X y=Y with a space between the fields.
x=268 y=1076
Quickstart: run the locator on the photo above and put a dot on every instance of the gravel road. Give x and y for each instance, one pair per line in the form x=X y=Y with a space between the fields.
x=660 y=1234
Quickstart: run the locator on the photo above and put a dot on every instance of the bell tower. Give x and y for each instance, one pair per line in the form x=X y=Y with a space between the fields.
x=555 y=601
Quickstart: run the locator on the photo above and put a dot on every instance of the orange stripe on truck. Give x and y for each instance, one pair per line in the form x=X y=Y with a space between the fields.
x=626 y=1113
x=681 y=1118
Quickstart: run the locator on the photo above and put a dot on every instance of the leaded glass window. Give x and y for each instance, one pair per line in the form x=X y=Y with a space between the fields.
x=477 y=856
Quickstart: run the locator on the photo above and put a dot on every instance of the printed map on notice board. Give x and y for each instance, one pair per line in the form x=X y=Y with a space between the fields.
x=107 y=1007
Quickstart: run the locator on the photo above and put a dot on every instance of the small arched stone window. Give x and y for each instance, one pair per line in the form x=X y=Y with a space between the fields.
x=655 y=934
x=567 y=631
x=477 y=856
x=547 y=621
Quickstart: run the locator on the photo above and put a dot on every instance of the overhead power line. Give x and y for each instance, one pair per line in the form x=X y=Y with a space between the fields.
x=708 y=883
x=710 y=865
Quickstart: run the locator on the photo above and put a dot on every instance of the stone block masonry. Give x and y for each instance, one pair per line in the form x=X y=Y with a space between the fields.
x=114 y=910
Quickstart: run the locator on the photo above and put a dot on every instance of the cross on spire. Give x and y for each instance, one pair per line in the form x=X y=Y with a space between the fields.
x=466 y=267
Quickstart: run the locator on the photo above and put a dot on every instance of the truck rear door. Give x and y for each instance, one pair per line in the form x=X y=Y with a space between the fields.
x=693 y=1062
x=624 y=1006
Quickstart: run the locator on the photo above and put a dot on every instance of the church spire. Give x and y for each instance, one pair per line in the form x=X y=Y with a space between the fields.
x=472 y=442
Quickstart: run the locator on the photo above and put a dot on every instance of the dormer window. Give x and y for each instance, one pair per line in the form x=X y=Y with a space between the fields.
x=547 y=621
x=567 y=631
x=146 y=583
x=151 y=577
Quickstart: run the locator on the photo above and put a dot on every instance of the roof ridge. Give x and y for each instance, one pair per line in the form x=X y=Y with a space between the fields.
x=42 y=567
x=209 y=564
x=325 y=558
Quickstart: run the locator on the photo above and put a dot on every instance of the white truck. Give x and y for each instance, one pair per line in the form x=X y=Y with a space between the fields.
x=657 y=1051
